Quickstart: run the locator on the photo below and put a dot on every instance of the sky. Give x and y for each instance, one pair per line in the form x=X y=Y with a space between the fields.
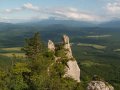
x=80 y=10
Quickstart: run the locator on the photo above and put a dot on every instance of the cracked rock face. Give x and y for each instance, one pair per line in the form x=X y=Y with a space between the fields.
x=99 y=85
x=73 y=70
x=51 y=46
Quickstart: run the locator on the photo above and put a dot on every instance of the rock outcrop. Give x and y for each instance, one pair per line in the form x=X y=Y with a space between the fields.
x=51 y=46
x=72 y=69
x=67 y=47
x=99 y=85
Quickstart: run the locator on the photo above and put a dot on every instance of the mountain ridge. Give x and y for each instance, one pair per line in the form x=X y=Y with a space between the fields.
x=72 y=23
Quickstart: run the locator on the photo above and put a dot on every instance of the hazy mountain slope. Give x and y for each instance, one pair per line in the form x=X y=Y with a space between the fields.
x=73 y=23
x=111 y=24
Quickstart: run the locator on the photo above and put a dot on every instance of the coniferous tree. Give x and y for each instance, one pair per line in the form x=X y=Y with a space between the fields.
x=33 y=47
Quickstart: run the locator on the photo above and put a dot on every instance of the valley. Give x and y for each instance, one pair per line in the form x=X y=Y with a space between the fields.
x=96 y=49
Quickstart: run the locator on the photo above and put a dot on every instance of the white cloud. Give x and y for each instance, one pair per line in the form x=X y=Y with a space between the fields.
x=73 y=14
x=30 y=6
x=59 y=13
x=4 y=19
x=113 y=7
x=113 y=10
x=13 y=10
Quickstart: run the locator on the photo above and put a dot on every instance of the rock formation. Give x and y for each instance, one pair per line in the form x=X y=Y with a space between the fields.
x=67 y=47
x=99 y=85
x=72 y=69
x=51 y=46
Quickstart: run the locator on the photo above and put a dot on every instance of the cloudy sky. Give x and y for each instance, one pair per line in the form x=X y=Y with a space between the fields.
x=82 y=10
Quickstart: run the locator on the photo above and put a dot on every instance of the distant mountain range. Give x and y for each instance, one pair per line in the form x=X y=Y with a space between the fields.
x=111 y=24
x=71 y=23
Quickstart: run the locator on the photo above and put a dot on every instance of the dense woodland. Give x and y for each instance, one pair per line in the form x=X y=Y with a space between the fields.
x=99 y=54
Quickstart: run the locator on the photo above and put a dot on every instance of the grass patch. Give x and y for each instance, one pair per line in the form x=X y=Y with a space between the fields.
x=91 y=63
x=99 y=36
x=92 y=45
x=117 y=50
x=12 y=54
x=11 y=49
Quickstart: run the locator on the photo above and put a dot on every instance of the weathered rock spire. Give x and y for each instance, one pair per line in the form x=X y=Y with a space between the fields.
x=72 y=69
x=51 y=46
x=67 y=46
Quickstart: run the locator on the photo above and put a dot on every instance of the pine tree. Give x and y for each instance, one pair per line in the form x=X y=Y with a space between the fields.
x=33 y=47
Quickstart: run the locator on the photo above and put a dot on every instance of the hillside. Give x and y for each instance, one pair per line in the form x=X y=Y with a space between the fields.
x=53 y=68
x=87 y=47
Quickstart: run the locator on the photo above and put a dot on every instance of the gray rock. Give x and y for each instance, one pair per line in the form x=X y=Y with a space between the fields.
x=67 y=47
x=73 y=70
x=51 y=46
x=99 y=85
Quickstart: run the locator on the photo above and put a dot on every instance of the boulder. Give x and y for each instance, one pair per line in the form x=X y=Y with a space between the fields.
x=99 y=85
